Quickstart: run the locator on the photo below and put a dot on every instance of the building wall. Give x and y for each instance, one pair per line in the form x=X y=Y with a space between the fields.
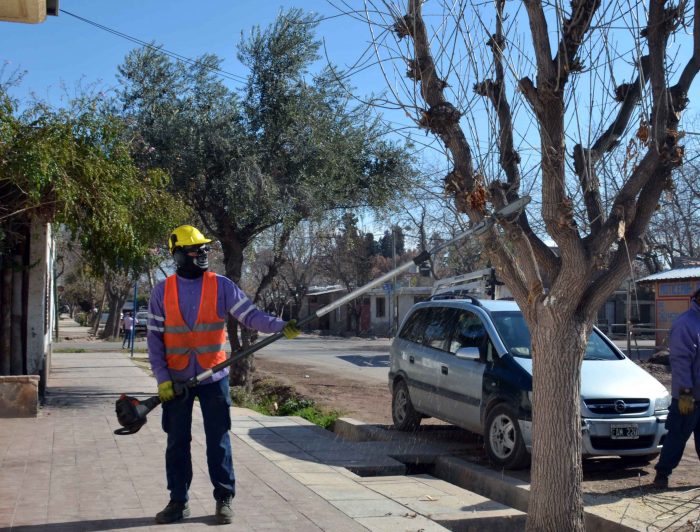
x=40 y=301
x=672 y=299
x=404 y=298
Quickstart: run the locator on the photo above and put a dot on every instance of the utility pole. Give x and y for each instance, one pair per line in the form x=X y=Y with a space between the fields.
x=394 y=297
x=628 y=317
x=133 y=325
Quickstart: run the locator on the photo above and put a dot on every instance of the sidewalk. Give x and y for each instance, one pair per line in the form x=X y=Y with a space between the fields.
x=66 y=470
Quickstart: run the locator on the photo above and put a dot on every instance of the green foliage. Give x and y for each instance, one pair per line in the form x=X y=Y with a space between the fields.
x=74 y=166
x=273 y=399
x=289 y=146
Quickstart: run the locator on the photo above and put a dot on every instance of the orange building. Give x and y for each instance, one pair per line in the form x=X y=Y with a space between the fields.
x=673 y=289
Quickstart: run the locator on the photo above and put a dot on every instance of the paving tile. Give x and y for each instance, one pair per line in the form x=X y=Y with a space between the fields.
x=410 y=523
x=78 y=475
x=370 y=508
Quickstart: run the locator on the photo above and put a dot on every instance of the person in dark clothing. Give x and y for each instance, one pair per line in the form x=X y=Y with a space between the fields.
x=186 y=336
x=684 y=412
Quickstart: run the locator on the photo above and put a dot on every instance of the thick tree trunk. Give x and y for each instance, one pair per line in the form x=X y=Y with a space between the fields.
x=558 y=345
x=242 y=370
x=96 y=325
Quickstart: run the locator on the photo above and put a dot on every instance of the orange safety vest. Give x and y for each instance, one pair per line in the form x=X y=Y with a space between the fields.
x=206 y=339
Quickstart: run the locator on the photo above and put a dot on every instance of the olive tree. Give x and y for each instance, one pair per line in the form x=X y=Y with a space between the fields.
x=287 y=146
x=536 y=98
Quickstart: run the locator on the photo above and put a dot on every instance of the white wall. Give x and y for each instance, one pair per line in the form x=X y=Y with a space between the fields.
x=40 y=301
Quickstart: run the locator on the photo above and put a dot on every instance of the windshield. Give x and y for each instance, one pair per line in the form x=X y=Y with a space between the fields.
x=515 y=335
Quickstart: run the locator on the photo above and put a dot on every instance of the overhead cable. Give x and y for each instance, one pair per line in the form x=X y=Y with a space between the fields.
x=224 y=74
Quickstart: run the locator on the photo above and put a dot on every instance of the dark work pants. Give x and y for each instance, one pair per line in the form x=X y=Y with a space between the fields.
x=679 y=430
x=215 y=401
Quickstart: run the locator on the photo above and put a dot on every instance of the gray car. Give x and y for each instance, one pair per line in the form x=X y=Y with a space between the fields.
x=467 y=362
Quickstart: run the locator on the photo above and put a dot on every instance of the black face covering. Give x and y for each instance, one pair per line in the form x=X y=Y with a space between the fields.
x=191 y=267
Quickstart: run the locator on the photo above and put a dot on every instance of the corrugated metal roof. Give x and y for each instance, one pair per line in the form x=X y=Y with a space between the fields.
x=669 y=275
x=318 y=290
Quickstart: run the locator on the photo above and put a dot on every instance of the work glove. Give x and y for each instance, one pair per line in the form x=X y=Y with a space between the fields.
x=686 y=404
x=291 y=330
x=166 y=392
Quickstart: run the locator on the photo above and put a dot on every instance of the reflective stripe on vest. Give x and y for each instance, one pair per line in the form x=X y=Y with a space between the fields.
x=207 y=337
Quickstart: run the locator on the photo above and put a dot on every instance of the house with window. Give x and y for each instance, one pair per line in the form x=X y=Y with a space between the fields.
x=673 y=289
x=385 y=304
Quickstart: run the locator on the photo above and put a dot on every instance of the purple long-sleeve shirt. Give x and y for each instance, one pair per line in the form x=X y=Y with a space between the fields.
x=230 y=298
x=684 y=351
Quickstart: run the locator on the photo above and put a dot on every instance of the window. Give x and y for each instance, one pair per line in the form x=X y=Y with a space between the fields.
x=430 y=327
x=514 y=332
x=381 y=307
x=438 y=327
x=413 y=328
x=469 y=332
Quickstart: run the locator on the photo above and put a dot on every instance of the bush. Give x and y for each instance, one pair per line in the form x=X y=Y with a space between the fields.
x=81 y=318
x=272 y=398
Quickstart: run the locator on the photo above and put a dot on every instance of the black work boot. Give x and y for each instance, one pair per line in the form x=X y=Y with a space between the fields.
x=660 y=481
x=224 y=513
x=174 y=511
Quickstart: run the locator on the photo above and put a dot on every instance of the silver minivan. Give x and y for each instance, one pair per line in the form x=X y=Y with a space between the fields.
x=467 y=361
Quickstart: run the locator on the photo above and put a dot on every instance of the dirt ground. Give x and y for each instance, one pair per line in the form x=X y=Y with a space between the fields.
x=610 y=480
x=363 y=401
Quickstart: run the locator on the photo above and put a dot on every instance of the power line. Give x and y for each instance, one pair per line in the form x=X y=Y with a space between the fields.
x=224 y=74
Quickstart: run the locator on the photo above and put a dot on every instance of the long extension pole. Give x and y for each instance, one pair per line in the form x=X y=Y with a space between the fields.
x=144 y=407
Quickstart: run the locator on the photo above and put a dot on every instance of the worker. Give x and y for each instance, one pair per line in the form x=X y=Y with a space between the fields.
x=186 y=336
x=684 y=412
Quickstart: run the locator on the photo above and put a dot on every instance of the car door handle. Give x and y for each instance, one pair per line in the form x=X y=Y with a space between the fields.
x=411 y=359
x=444 y=370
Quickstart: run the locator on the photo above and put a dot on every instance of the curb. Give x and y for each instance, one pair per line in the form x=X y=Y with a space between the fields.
x=488 y=483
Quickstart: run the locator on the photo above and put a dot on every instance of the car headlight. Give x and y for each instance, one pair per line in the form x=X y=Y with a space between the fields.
x=662 y=403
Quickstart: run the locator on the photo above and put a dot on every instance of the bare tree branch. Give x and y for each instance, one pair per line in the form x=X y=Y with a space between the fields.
x=585 y=160
x=575 y=28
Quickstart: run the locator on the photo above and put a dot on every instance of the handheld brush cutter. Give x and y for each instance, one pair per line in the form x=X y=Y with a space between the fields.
x=131 y=412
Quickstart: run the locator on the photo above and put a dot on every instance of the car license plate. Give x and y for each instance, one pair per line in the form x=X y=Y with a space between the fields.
x=624 y=432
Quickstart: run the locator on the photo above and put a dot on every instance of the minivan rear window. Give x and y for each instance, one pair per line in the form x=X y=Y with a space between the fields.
x=430 y=326
x=515 y=335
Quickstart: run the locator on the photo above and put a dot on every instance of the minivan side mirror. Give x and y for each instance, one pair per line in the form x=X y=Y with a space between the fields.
x=468 y=353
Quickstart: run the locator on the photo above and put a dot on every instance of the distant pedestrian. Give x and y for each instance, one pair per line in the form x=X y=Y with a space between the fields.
x=684 y=412
x=128 y=326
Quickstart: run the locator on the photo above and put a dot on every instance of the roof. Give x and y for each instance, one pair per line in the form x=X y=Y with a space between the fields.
x=318 y=290
x=671 y=275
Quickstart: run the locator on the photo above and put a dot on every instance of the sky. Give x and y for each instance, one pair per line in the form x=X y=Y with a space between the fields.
x=67 y=51
x=64 y=50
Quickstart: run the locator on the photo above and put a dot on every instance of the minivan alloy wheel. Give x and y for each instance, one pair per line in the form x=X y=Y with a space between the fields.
x=405 y=417
x=503 y=439
x=502 y=436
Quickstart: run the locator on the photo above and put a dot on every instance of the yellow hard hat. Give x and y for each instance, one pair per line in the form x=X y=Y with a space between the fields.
x=186 y=235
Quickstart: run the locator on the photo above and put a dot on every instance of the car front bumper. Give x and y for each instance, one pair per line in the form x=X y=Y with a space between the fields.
x=596 y=437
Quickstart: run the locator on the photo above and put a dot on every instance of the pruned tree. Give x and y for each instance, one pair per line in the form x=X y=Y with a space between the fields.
x=674 y=233
x=546 y=111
